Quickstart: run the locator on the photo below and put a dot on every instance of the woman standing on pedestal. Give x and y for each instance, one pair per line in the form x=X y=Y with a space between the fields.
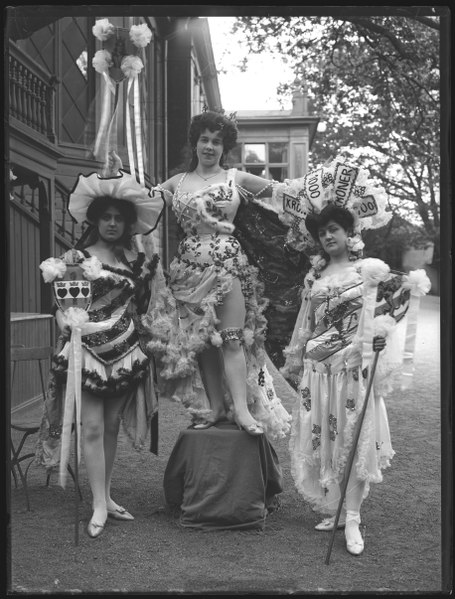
x=213 y=357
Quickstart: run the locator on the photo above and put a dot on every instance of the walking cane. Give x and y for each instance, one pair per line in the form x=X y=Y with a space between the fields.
x=350 y=461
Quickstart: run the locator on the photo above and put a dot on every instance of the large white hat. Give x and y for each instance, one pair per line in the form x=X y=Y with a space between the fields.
x=120 y=187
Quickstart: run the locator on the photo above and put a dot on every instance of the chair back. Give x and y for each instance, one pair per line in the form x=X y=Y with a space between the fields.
x=27 y=379
x=25 y=354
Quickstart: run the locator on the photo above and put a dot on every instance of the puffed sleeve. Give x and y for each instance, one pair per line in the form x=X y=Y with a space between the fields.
x=295 y=351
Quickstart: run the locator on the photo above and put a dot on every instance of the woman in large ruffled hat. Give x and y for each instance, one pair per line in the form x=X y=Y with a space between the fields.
x=116 y=374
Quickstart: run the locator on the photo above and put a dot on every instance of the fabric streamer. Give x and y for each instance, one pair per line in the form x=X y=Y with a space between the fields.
x=368 y=324
x=111 y=138
x=374 y=271
x=129 y=140
x=105 y=112
x=120 y=59
x=108 y=128
x=75 y=318
x=138 y=131
x=419 y=284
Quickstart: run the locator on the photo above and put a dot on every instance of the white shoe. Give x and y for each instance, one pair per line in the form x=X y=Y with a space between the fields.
x=354 y=540
x=327 y=524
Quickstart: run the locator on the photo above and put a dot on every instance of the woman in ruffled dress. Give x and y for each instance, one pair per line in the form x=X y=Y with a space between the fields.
x=213 y=357
x=117 y=374
x=324 y=361
x=339 y=327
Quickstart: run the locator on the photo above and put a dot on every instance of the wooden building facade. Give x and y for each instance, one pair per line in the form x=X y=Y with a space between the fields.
x=54 y=97
x=54 y=112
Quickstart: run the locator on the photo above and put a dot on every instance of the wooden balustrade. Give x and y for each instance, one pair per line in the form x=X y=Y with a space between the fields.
x=31 y=93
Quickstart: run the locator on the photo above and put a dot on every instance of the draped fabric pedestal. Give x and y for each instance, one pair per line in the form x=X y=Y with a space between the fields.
x=222 y=478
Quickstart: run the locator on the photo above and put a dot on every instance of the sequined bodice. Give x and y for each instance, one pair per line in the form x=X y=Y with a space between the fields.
x=211 y=209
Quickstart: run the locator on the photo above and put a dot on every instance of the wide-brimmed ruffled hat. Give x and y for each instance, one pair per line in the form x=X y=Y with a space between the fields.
x=122 y=187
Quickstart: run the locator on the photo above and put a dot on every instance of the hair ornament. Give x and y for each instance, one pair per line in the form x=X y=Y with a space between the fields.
x=231 y=116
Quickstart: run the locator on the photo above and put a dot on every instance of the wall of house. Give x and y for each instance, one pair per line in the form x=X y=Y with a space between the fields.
x=57 y=146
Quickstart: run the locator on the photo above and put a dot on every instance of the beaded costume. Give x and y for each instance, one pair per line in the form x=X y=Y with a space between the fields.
x=208 y=260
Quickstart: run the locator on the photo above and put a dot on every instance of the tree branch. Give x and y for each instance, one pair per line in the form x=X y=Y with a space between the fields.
x=367 y=24
x=427 y=21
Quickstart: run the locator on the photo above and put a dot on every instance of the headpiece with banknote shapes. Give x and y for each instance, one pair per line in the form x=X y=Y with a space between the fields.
x=340 y=183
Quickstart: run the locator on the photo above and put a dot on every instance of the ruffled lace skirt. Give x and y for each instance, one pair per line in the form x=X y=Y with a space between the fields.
x=323 y=427
x=201 y=275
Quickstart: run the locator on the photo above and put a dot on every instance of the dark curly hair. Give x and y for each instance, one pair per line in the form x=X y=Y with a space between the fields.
x=341 y=216
x=213 y=121
x=126 y=209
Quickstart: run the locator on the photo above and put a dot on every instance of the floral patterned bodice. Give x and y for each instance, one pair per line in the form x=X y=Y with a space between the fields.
x=209 y=210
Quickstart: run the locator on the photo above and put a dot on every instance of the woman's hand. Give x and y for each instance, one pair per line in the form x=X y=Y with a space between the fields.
x=113 y=166
x=65 y=329
x=378 y=343
x=66 y=333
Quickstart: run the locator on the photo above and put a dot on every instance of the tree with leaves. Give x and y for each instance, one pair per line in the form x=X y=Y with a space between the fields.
x=374 y=80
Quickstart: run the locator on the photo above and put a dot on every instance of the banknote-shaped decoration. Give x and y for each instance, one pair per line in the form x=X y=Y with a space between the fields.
x=338 y=183
x=296 y=211
x=392 y=297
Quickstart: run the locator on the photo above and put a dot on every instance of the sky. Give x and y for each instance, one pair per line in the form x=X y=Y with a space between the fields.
x=256 y=88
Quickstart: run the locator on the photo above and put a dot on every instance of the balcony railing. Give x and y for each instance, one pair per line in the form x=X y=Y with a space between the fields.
x=31 y=93
x=65 y=226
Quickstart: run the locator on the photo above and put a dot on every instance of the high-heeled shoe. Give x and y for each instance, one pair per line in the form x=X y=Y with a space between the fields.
x=252 y=429
x=354 y=541
x=327 y=524
x=120 y=513
x=94 y=529
x=200 y=426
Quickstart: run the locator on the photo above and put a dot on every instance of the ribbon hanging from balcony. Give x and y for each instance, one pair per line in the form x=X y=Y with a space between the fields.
x=120 y=66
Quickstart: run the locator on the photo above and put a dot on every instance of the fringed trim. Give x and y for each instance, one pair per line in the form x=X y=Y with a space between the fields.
x=117 y=383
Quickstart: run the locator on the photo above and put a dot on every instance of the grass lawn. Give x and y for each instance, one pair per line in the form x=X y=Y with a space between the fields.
x=154 y=554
